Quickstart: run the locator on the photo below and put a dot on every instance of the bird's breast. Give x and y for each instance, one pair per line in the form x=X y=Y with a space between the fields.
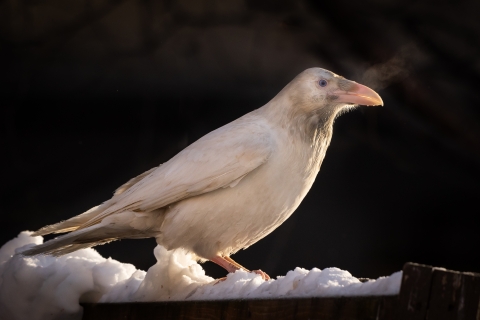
x=235 y=217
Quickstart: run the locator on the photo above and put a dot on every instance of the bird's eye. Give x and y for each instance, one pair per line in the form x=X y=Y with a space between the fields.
x=323 y=83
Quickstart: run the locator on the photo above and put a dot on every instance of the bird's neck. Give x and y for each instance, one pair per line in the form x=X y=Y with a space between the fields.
x=312 y=129
x=308 y=125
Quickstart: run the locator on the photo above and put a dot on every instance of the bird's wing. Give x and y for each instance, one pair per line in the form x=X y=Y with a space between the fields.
x=219 y=159
x=132 y=182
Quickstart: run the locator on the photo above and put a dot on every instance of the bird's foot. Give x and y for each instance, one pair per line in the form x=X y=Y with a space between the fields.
x=263 y=274
x=231 y=266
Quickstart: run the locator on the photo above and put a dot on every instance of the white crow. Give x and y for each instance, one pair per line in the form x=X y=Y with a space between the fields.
x=230 y=188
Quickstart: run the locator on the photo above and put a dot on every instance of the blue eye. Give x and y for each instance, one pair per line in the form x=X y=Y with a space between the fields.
x=323 y=83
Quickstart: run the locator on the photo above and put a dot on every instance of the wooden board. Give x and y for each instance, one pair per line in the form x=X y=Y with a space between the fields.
x=415 y=291
x=341 y=308
x=454 y=296
x=426 y=293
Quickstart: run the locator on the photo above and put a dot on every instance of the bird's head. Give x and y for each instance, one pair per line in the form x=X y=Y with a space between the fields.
x=322 y=92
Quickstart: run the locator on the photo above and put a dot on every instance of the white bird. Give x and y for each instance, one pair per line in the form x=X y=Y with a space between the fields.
x=230 y=188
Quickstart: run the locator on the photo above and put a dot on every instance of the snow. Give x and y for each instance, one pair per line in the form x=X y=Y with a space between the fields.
x=46 y=287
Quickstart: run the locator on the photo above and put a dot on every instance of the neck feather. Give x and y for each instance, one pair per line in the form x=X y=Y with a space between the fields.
x=311 y=129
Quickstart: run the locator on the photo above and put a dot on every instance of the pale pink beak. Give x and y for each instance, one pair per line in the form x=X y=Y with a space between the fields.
x=359 y=94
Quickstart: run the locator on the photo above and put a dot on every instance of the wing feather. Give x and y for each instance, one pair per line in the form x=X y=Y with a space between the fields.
x=217 y=160
x=133 y=181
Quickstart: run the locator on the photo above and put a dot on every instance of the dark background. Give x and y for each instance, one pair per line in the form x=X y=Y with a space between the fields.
x=94 y=92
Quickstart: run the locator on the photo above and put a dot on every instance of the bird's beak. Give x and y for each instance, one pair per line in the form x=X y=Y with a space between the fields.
x=359 y=94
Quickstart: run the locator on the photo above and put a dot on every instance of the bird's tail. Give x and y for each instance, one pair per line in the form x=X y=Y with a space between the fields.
x=81 y=239
x=71 y=224
x=80 y=221
x=125 y=225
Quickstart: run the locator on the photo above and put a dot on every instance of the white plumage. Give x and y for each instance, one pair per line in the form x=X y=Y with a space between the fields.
x=230 y=188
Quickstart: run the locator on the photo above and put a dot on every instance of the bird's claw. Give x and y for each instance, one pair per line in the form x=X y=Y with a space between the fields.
x=263 y=274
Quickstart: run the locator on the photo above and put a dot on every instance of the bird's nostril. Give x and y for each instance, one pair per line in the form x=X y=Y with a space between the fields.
x=332 y=97
x=345 y=85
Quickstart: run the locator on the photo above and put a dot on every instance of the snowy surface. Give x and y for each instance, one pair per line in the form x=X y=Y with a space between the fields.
x=46 y=287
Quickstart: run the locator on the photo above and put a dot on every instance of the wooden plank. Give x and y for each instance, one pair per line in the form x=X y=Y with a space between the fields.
x=414 y=291
x=338 y=308
x=471 y=297
x=454 y=296
x=426 y=293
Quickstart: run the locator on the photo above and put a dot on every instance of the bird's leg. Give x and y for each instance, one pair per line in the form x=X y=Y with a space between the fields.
x=231 y=266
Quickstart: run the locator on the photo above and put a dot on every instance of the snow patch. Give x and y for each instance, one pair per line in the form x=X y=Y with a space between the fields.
x=46 y=287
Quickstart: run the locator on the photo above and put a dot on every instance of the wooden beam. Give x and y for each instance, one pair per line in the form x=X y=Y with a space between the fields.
x=340 y=308
x=414 y=291
x=426 y=293
x=454 y=296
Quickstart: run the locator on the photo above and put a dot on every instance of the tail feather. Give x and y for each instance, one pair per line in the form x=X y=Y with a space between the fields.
x=124 y=225
x=71 y=224
x=70 y=248
x=73 y=241
x=92 y=236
